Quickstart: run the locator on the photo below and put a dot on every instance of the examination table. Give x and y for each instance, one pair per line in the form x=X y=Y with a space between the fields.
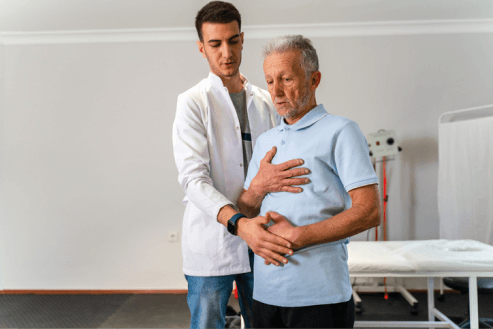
x=427 y=258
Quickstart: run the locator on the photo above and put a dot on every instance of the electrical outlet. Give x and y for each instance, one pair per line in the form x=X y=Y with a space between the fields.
x=173 y=236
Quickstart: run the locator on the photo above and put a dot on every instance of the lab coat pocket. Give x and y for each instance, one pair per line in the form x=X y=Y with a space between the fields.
x=204 y=234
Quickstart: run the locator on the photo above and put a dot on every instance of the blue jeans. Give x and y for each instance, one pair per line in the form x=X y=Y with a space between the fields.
x=208 y=298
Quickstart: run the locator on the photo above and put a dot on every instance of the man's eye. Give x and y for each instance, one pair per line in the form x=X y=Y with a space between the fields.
x=233 y=42
x=269 y=82
x=215 y=45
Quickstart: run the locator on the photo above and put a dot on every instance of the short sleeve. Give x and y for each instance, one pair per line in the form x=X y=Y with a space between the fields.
x=352 y=159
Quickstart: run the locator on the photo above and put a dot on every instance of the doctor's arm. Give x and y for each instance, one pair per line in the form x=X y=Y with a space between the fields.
x=191 y=152
x=192 y=159
x=269 y=178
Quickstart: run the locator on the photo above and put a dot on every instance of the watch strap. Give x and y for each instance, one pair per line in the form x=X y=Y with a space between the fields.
x=232 y=222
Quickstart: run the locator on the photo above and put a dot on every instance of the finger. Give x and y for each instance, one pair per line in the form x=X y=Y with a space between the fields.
x=277 y=248
x=290 y=164
x=266 y=220
x=266 y=262
x=272 y=214
x=275 y=239
x=291 y=189
x=263 y=220
x=296 y=172
x=295 y=181
x=268 y=259
x=274 y=258
x=276 y=217
x=270 y=155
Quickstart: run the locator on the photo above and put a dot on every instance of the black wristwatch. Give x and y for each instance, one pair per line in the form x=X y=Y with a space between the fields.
x=232 y=223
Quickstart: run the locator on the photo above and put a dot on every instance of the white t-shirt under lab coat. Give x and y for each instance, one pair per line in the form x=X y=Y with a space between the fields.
x=207 y=146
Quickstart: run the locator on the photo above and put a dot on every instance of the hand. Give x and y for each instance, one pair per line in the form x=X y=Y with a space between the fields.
x=278 y=178
x=284 y=229
x=267 y=245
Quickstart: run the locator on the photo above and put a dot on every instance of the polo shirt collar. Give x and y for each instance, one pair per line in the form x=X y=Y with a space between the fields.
x=315 y=114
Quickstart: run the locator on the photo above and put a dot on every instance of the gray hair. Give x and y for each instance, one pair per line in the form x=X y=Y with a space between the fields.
x=308 y=58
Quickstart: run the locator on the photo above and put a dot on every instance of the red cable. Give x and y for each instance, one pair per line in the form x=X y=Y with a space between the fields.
x=386 y=296
x=376 y=233
x=376 y=227
x=384 y=201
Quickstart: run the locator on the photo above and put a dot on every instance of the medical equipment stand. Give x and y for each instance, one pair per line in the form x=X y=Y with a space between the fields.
x=389 y=288
x=382 y=144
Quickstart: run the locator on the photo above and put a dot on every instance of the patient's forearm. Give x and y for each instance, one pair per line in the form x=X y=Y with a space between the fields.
x=249 y=203
x=363 y=215
x=343 y=225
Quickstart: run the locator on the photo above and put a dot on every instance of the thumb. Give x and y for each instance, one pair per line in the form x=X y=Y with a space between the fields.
x=275 y=216
x=264 y=220
x=270 y=155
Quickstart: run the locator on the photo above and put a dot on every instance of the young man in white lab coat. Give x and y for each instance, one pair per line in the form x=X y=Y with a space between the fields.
x=216 y=126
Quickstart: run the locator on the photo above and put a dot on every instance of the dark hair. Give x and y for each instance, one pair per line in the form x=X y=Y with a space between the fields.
x=216 y=12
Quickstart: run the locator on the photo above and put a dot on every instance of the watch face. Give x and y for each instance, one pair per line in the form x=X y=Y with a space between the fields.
x=231 y=227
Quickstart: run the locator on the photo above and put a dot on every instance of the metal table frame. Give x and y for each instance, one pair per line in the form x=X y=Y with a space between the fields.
x=433 y=312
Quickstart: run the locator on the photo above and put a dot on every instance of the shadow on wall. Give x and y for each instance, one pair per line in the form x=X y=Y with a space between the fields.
x=418 y=154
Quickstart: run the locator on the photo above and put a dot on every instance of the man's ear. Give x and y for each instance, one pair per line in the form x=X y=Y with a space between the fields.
x=200 y=44
x=315 y=80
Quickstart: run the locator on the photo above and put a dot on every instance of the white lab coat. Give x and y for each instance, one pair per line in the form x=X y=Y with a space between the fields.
x=207 y=146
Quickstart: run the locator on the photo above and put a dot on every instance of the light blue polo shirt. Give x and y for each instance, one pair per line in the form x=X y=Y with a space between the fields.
x=336 y=152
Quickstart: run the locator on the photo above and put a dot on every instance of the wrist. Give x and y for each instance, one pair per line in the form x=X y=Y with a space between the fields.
x=232 y=222
x=299 y=236
x=239 y=223
x=225 y=213
x=257 y=190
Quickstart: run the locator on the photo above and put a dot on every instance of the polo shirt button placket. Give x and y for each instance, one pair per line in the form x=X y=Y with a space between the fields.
x=287 y=129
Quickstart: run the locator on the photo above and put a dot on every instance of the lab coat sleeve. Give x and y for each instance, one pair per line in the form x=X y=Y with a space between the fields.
x=192 y=158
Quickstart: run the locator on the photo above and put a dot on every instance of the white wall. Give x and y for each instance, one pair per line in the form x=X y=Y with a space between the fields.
x=89 y=182
x=56 y=15
x=2 y=204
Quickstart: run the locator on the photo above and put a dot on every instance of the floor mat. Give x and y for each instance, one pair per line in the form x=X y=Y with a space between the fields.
x=58 y=311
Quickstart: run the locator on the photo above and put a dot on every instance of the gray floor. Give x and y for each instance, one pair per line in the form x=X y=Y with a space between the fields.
x=151 y=311
x=170 y=311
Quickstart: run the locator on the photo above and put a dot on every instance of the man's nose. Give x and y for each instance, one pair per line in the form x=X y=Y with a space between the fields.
x=277 y=88
x=227 y=50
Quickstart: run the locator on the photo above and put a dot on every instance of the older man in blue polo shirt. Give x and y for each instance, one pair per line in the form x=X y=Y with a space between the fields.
x=313 y=289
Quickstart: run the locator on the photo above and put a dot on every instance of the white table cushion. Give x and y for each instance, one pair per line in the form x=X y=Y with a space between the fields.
x=419 y=256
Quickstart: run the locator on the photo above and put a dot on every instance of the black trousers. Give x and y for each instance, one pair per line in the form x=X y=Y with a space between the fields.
x=339 y=315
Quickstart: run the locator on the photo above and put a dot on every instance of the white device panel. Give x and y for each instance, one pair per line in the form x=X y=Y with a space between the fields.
x=382 y=144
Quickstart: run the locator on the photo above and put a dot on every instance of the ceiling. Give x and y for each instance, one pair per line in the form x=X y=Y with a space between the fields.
x=60 y=15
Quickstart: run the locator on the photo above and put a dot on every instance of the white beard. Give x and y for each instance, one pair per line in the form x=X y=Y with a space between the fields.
x=299 y=106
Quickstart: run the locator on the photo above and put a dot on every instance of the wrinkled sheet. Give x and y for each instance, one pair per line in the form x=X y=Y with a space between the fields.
x=419 y=256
